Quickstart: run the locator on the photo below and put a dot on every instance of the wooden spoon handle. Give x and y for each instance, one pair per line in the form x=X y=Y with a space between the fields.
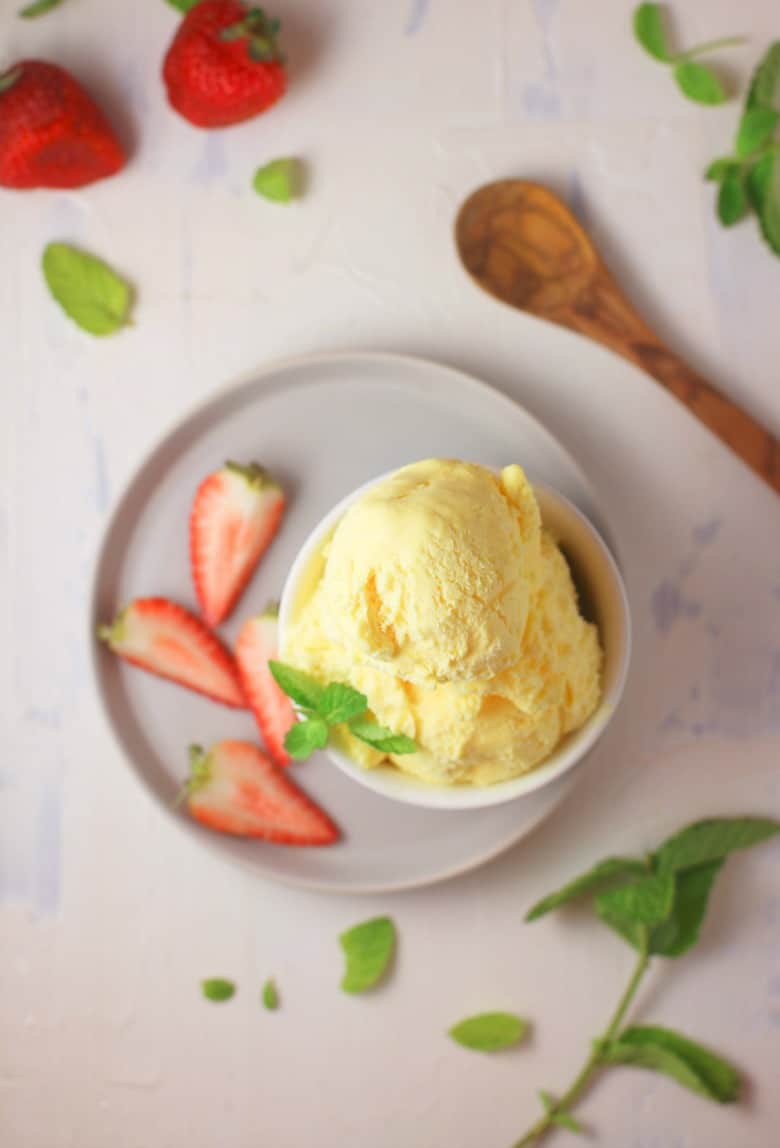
x=605 y=315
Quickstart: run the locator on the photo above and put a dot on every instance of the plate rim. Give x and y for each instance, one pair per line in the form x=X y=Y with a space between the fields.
x=560 y=788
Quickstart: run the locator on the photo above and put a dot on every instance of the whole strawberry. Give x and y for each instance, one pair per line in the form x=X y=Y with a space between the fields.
x=224 y=65
x=52 y=134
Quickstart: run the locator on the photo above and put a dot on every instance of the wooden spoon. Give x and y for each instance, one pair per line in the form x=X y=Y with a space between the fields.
x=522 y=244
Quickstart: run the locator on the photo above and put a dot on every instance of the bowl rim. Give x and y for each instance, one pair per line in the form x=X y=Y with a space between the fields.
x=389 y=781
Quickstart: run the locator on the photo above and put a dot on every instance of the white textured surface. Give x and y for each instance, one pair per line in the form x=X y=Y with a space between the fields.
x=109 y=919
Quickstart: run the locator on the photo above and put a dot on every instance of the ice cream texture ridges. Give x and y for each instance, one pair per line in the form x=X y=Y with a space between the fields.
x=442 y=598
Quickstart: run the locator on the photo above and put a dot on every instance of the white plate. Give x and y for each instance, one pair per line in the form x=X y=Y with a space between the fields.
x=323 y=425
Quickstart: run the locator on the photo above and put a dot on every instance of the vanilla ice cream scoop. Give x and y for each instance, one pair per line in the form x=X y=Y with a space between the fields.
x=431 y=574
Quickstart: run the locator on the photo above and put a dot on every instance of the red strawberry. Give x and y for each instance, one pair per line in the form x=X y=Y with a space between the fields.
x=258 y=642
x=234 y=788
x=51 y=132
x=164 y=638
x=235 y=515
x=224 y=65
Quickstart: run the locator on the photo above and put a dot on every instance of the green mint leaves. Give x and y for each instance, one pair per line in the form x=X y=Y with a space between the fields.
x=368 y=948
x=489 y=1031
x=39 y=8
x=381 y=738
x=670 y=1053
x=649 y=31
x=183 y=5
x=279 y=181
x=696 y=81
x=325 y=706
x=216 y=989
x=750 y=179
x=86 y=288
x=270 y=996
x=656 y=903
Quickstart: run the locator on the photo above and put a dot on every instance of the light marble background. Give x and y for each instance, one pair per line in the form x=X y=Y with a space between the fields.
x=109 y=918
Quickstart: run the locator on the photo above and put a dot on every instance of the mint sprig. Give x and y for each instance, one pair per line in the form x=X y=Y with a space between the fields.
x=324 y=706
x=750 y=178
x=657 y=904
x=696 y=81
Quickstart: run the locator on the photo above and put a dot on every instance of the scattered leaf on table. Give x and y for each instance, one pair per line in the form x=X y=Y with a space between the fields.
x=218 y=990
x=86 y=288
x=38 y=8
x=279 y=180
x=368 y=948
x=270 y=996
x=489 y=1031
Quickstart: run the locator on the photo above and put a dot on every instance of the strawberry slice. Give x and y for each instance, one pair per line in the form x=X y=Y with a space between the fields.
x=258 y=642
x=235 y=515
x=236 y=789
x=164 y=638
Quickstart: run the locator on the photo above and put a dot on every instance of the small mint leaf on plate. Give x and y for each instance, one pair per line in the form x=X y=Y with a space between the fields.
x=340 y=702
x=489 y=1031
x=300 y=687
x=698 y=82
x=306 y=736
x=217 y=989
x=367 y=948
x=381 y=738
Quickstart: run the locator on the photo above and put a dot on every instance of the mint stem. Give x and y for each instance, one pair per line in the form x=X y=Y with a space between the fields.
x=710 y=46
x=581 y=1080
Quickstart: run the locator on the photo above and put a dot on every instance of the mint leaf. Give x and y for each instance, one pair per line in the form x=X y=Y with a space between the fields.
x=756 y=128
x=680 y=931
x=649 y=31
x=38 y=8
x=306 y=736
x=340 y=702
x=562 y=1118
x=720 y=167
x=183 y=5
x=732 y=201
x=698 y=82
x=382 y=738
x=489 y=1031
x=644 y=902
x=86 y=288
x=368 y=948
x=278 y=181
x=218 y=990
x=270 y=996
x=769 y=216
x=765 y=87
x=611 y=870
x=674 y=1055
x=303 y=689
x=711 y=840
x=758 y=182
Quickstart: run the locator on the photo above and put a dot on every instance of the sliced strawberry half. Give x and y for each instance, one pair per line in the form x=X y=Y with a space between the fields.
x=235 y=515
x=164 y=638
x=258 y=643
x=235 y=788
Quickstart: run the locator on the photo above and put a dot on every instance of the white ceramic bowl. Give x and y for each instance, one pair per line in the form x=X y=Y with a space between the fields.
x=603 y=600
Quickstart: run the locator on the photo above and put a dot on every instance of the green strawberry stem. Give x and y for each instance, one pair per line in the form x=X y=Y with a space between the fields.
x=710 y=46
x=583 y=1077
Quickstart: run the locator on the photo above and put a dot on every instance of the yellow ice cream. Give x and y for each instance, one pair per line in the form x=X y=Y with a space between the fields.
x=440 y=596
